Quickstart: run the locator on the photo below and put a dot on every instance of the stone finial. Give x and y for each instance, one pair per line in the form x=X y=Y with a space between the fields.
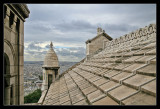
x=99 y=30
x=51 y=45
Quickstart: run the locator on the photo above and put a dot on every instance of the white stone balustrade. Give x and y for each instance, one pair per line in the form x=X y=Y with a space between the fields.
x=142 y=34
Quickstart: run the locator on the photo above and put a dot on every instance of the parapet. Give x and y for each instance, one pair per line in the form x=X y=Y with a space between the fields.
x=139 y=35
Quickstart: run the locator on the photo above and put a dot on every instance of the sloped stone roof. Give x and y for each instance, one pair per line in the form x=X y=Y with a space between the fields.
x=124 y=73
x=51 y=59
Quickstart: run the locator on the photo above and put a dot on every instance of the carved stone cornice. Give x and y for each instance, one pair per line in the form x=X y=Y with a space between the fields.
x=24 y=9
x=21 y=9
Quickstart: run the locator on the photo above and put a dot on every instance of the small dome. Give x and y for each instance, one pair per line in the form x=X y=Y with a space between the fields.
x=51 y=59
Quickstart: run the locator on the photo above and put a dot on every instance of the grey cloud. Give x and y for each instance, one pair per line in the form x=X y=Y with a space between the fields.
x=76 y=25
x=36 y=52
x=120 y=29
x=32 y=46
x=64 y=52
x=35 y=27
x=47 y=46
x=71 y=24
x=60 y=17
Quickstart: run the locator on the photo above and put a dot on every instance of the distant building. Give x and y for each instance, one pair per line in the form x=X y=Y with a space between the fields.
x=14 y=18
x=39 y=84
x=97 y=43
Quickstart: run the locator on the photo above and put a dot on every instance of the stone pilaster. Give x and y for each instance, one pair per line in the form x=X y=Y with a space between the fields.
x=14 y=95
x=44 y=84
x=7 y=95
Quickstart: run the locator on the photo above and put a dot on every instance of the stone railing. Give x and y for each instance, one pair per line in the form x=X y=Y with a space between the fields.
x=43 y=95
x=139 y=35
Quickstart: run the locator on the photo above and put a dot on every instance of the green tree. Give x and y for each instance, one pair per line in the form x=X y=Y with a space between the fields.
x=33 y=97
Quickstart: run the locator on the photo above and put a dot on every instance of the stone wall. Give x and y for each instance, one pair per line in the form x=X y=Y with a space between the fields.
x=14 y=18
x=96 y=44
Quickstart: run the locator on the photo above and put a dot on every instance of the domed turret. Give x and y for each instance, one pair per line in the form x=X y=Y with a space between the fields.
x=51 y=59
x=50 y=68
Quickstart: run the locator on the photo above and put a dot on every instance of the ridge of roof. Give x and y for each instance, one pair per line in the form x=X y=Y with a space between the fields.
x=102 y=34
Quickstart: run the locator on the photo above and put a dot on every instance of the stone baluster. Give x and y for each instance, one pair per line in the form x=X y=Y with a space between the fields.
x=126 y=40
x=144 y=32
x=121 y=42
x=140 y=34
x=132 y=38
x=114 y=47
x=154 y=28
x=136 y=37
x=118 y=43
x=129 y=39
x=152 y=31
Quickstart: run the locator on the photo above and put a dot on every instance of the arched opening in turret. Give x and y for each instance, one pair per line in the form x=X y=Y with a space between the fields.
x=50 y=78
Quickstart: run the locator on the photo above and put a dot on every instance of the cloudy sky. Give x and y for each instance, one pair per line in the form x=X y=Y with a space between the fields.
x=68 y=26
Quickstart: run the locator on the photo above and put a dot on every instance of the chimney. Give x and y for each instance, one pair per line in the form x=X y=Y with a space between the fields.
x=99 y=30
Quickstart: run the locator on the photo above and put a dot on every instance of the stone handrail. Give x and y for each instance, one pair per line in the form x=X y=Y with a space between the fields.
x=146 y=32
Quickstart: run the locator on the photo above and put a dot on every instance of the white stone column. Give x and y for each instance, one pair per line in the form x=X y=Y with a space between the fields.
x=43 y=76
x=44 y=84
x=46 y=77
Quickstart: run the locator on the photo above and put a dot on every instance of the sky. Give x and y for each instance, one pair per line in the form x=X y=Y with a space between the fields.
x=68 y=26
